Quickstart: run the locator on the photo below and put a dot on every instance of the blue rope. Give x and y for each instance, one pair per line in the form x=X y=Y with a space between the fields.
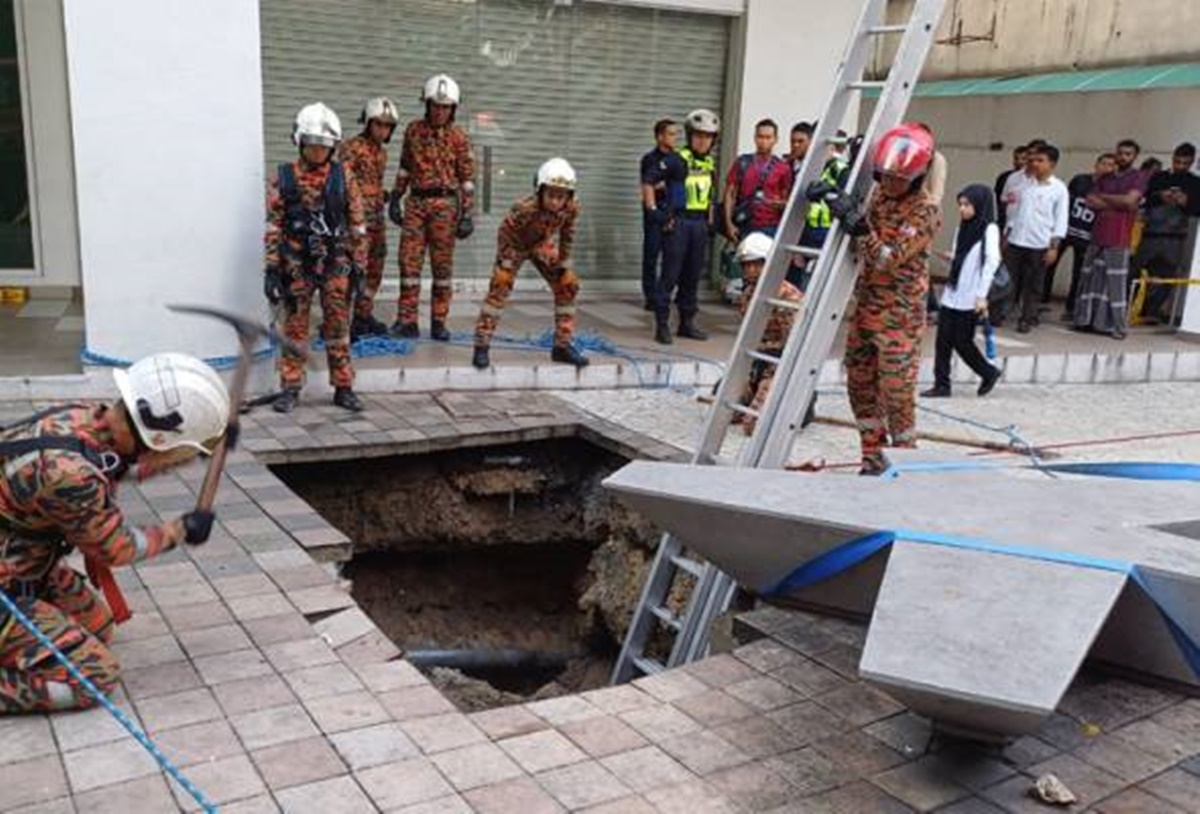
x=93 y=359
x=96 y=693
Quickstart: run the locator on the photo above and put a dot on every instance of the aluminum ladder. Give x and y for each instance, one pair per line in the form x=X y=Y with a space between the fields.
x=833 y=271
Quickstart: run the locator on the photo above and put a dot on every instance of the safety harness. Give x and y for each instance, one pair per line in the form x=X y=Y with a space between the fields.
x=26 y=591
x=319 y=230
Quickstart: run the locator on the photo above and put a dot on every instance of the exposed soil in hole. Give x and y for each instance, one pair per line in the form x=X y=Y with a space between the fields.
x=504 y=548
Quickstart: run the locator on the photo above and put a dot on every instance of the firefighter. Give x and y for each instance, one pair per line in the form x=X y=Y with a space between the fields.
x=61 y=468
x=752 y=255
x=528 y=233
x=884 y=339
x=437 y=170
x=366 y=157
x=685 y=250
x=315 y=246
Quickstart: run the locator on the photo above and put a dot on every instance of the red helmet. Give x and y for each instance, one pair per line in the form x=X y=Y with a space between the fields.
x=905 y=151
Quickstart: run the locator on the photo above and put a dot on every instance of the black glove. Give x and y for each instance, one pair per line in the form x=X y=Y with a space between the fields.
x=273 y=288
x=843 y=206
x=855 y=224
x=396 y=209
x=818 y=191
x=197 y=526
x=466 y=226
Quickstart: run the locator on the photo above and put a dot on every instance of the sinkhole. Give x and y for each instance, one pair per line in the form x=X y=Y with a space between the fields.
x=504 y=572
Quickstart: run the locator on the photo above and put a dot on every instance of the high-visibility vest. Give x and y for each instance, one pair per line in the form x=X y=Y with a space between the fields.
x=819 y=216
x=700 y=184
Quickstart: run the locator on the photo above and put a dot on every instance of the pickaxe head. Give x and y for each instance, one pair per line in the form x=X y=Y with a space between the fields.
x=248 y=330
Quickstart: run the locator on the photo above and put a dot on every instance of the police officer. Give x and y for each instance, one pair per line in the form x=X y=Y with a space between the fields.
x=315 y=246
x=685 y=250
x=818 y=218
x=437 y=170
x=662 y=173
x=57 y=485
x=528 y=233
x=366 y=157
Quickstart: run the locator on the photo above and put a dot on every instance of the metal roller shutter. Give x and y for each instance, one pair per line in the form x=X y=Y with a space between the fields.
x=585 y=81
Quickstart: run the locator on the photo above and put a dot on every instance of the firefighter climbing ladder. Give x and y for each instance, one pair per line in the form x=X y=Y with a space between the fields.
x=808 y=345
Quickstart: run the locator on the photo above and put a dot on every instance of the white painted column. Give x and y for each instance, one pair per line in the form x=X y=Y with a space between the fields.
x=166 y=118
x=792 y=51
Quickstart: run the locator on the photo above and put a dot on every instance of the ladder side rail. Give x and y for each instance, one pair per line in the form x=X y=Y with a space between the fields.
x=654 y=592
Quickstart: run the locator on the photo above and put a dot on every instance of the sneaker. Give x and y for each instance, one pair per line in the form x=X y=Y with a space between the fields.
x=688 y=330
x=347 y=399
x=662 y=334
x=1118 y=335
x=480 y=358
x=438 y=332
x=989 y=382
x=936 y=393
x=568 y=355
x=286 y=401
x=404 y=330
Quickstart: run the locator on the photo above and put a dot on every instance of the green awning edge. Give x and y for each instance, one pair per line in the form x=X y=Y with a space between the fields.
x=1132 y=77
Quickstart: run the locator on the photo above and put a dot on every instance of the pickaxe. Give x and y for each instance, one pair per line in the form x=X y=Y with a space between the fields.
x=248 y=331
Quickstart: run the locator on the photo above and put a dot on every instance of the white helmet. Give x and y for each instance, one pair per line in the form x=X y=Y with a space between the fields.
x=379 y=109
x=441 y=90
x=702 y=121
x=317 y=124
x=755 y=246
x=556 y=173
x=174 y=400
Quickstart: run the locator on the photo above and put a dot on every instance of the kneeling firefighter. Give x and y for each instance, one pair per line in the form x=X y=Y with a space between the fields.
x=61 y=467
x=315 y=246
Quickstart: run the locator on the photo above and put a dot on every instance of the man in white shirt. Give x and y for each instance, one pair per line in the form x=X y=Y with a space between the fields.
x=1037 y=225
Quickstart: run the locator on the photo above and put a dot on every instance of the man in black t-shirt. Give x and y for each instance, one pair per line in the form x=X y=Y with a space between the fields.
x=655 y=169
x=1079 y=228
x=1172 y=199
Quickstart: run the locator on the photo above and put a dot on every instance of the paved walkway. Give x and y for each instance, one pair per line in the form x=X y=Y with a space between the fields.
x=250 y=664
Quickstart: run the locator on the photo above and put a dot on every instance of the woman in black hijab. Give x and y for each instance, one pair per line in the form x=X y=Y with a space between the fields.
x=964 y=298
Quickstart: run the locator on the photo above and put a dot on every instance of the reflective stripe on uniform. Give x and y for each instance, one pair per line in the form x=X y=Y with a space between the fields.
x=564 y=310
x=700 y=184
x=491 y=310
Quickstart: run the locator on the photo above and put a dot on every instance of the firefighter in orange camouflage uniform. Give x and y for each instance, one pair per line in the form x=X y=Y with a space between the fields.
x=57 y=493
x=883 y=344
x=437 y=170
x=527 y=233
x=315 y=246
x=752 y=254
x=366 y=157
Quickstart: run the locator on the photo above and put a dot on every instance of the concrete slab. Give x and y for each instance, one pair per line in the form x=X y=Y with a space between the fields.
x=942 y=638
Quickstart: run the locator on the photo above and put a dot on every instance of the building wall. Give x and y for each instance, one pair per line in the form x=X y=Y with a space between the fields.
x=166 y=118
x=792 y=50
x=1029 y=36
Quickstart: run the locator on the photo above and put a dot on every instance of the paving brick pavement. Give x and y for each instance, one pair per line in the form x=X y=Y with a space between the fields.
x=246 y=663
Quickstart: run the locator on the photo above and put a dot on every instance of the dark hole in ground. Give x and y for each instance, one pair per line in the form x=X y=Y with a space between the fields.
x=486 y=549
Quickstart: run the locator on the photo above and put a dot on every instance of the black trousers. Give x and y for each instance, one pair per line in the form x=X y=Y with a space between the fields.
x=652 y=246
x=685 y=257
x=956 y=333
x=1079 y=248
x=1028 y=269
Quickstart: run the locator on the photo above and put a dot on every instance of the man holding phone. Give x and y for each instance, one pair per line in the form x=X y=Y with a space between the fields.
x=1172 y=198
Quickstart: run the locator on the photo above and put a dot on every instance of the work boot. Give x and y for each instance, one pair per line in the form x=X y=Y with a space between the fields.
x=438 y=332
x=480 y=359
x=569 y=355
x=688 y=330
x=936 y=393
x=404 y=330
x=374 y=327
x=662 y=333
x=347 y=399
x=285 y=402
x=989 y=382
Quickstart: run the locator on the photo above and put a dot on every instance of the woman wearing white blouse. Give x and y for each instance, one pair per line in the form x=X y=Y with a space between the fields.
x=964 y=299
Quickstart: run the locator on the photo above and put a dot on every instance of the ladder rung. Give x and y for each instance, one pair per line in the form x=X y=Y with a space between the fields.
x=867 y=84
x=806 y=251
x=763 y=357
x=688 y=564
x=742 y=408
x=648 y=666
x=667 y=618
x=794 y=305
x=876 y=30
